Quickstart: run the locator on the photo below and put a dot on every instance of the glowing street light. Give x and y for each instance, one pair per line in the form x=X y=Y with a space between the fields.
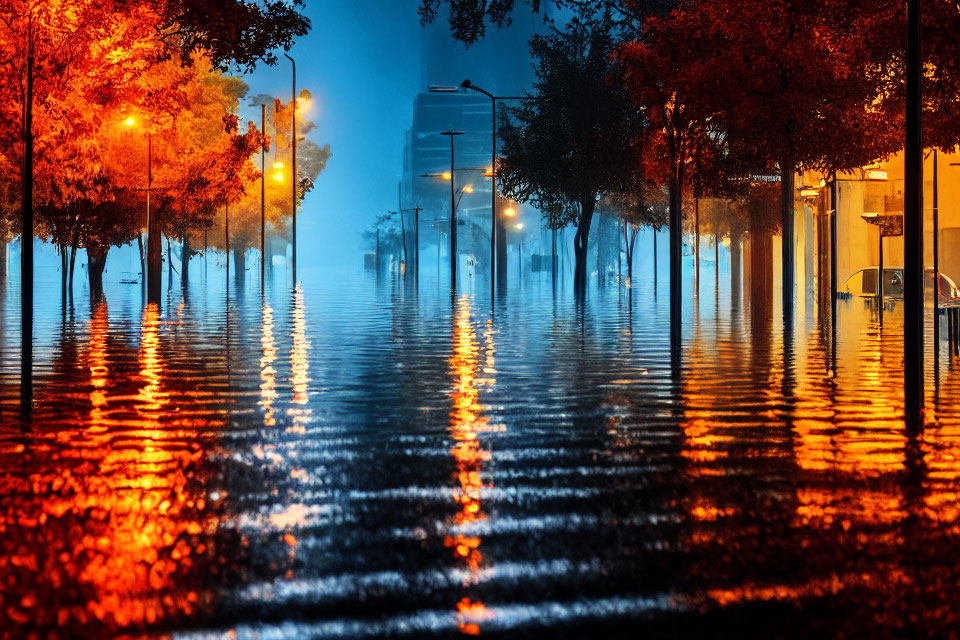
x=446 y=175
x=468 y=188
x=509 y=212
x=278 y=165
x=153 y=288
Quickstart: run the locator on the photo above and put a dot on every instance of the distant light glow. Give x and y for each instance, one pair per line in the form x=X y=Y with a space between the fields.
x=509 y=212
x=278 y=177
x=278 y=165
x=519 y=225
x=468 y=188
x=446 y=175
x=130 y=121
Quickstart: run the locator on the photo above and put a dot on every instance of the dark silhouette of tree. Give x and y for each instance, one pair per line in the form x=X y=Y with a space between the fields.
x=238 y=33
x=578 y=139
x=469 y=19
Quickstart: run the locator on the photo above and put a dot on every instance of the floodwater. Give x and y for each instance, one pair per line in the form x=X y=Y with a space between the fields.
x=361 y=457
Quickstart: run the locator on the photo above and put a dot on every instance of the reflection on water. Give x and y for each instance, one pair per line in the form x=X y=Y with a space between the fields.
x=361 y=458
x=268 y=376
x=467 y=425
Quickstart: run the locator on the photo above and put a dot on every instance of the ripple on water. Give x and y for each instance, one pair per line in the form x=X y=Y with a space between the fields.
x=361 y=458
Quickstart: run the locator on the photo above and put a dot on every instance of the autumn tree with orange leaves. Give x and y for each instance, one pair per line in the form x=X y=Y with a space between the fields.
x=156 y=61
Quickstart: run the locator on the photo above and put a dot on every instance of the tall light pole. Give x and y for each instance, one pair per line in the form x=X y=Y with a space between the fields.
x=263 y=193
x=293 y=171
x=453 y=210
x=466 y=84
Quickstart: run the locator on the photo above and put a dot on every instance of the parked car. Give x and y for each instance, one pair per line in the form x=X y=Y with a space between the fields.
x=863 y=284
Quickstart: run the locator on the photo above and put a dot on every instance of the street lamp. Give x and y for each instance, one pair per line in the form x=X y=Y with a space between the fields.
x=466 y=84
x=263 y=194
x=293 y=170
x=453 y=211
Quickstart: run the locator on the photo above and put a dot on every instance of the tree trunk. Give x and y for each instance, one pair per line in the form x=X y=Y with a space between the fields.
x=676 y=255
x=788 y=245
x=580 y=243
x=239 y=264
x=143 y=263
x=73 y=254
x=761 y=273
x=184 y=261
x=96 y=261
x=169 y=265
x=735 y=267
x=3 y=259
x=154 y=251
x=63 y=270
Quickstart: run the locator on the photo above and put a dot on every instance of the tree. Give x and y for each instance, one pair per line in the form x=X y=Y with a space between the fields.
x=642 y=206
x=800 y=90
x=469 y=19
x=238 y=33
x=94 y=61
x=245 y=208
x=672 y=71
x=577 y=139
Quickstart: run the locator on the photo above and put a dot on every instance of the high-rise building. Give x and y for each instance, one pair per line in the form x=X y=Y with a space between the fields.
x=501 y=64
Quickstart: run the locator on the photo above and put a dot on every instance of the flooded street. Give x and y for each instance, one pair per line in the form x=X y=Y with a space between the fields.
x=363 y=457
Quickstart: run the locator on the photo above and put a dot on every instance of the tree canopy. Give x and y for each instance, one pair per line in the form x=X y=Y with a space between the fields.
x=578 y=138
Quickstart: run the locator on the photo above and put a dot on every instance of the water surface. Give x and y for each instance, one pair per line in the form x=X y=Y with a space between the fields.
x=361 y=457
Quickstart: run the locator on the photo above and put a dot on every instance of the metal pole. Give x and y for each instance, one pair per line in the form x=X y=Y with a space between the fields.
x=788 y=248
x=416 y=239
x=936 y=267
x=153 y=246
x=654 y=256
x=263 y=193
x=493 y=197
x=880 y=280
x=453 y=222
x=913 y=223
x=293 y=171
x=834 y=212
x=26 y=245
x=226 y=241
x=696 y=240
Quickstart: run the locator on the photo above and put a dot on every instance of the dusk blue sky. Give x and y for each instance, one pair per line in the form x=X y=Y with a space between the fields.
x=361 y=63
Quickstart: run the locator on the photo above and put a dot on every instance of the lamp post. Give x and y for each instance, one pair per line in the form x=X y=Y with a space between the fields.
x=263 y=193
x=293 y=169
x=466 y=84
x=453 y=210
